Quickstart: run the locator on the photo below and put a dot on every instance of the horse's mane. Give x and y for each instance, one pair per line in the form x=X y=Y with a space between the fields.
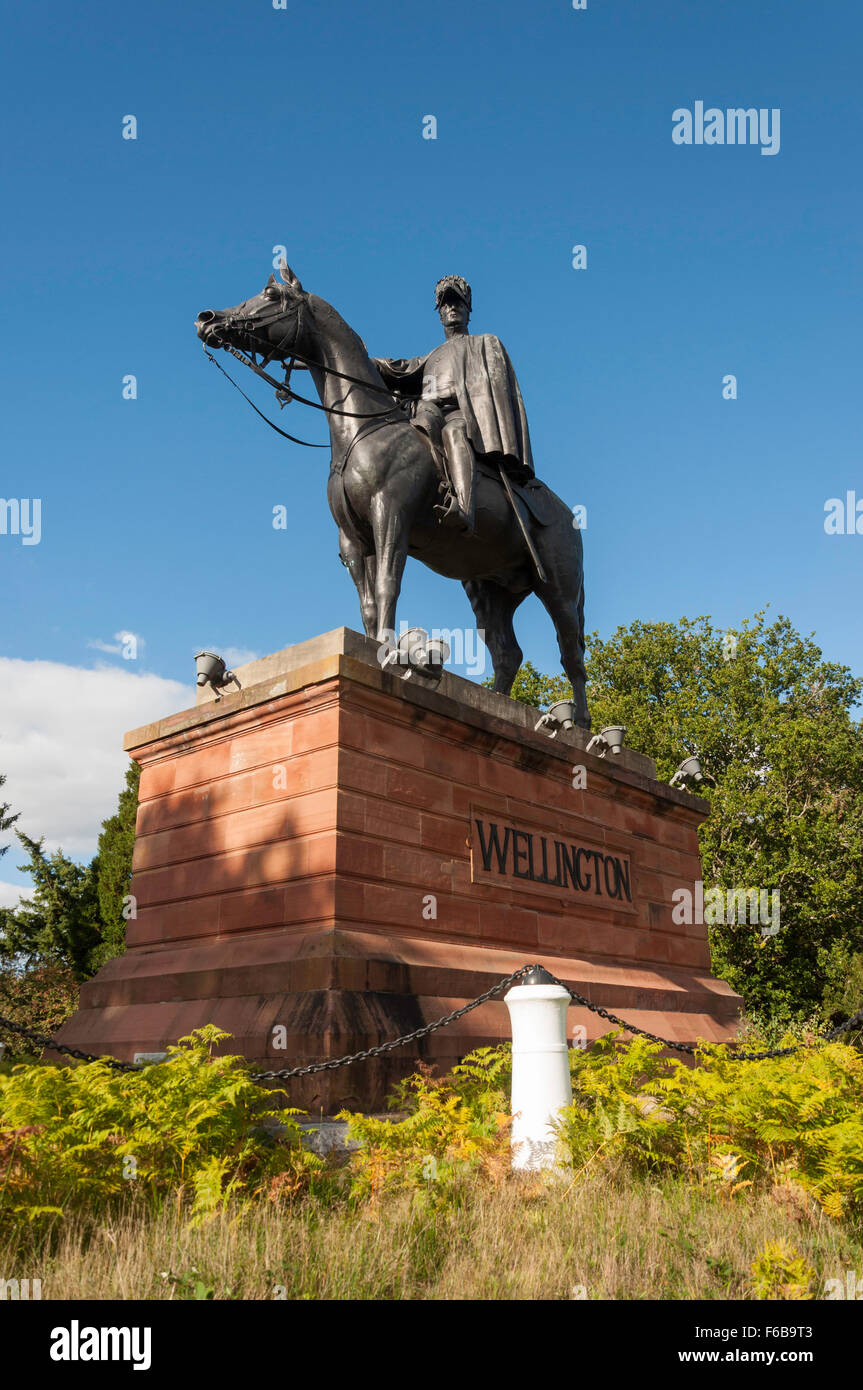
x=335 y=326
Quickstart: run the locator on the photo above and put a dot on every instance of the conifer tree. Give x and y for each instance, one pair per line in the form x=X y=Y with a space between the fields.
x=116 y=843
x=6 y=821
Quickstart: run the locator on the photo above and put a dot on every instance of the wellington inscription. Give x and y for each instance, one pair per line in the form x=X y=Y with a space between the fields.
x=502 y=852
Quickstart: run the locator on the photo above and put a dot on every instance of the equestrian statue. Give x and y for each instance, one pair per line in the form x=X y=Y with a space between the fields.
x=431 y=458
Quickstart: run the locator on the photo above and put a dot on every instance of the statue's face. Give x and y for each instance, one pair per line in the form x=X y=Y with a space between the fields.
x=453 y=312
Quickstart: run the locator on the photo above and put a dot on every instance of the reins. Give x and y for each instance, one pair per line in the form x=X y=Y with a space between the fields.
x=285 y=393
x=292 y=437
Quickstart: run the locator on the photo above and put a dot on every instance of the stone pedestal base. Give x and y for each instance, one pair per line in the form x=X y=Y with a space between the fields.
x=345 y=856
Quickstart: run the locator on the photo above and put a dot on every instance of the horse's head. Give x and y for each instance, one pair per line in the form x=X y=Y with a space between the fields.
x=270 y=324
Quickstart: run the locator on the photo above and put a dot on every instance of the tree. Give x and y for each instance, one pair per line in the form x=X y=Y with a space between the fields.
x=782 y=755
x=40 y=999
x=75 y=916
x=116 y=843
x=60 y=924
x=531 y=687
x=6 y=821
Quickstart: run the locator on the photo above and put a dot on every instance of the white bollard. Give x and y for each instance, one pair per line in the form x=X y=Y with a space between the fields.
x=541 y=1084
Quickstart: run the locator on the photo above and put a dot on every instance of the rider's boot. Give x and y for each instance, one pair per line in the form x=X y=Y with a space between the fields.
x=458 y=510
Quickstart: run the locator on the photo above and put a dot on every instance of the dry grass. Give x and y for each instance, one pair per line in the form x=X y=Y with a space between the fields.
x=523 y=1239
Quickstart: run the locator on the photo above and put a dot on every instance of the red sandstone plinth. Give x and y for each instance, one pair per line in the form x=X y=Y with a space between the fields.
x=316 y=851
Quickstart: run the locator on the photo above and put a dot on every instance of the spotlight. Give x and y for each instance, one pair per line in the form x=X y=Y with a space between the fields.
x=560 y=716
x=211 y=671
x=689 y=771
x=608 y=740
x=422 y=655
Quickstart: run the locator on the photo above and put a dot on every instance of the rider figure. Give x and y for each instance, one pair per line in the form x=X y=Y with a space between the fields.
x=469 y=403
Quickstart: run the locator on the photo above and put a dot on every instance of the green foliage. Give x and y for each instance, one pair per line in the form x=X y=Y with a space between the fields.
x=75 y=917
x=843 y=993
x=6 y=821
x=190 y=1129
x=531 y=687
x=116 y=843
x=41 y=999
x=794 y=1122
x=60 y=924
x=772 y=723
x=780 y=1273
x=452 y=1127
x=761 y=1032
x=190 y=1287
x=689 y=1175
x=782 y=753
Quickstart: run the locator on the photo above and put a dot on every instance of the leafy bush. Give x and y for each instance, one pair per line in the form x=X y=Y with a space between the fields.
x=40 y=999
x=190 y=1129
x=194 y=1132
x=778 y=732
x=454 y=1126
x=779 y=1272
x=787 y=1123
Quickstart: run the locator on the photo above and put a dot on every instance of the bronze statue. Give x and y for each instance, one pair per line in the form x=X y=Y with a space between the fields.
x=391 y=457
x=469 y=403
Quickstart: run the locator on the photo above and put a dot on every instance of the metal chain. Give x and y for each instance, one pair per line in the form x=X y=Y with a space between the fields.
x=691 y=1050
x=76 y=1052
x=286 y=1073
x=397 y=1042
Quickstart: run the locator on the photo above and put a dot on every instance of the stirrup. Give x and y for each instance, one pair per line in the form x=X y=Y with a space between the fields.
x=450 y=514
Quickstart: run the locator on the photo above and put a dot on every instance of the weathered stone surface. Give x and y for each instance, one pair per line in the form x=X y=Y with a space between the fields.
x=304 y=858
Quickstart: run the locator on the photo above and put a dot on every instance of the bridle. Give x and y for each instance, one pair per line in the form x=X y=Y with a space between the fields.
x=284 y=392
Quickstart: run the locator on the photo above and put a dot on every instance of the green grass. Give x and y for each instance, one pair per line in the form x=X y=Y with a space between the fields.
x=720 y=1181
x=524 y=1238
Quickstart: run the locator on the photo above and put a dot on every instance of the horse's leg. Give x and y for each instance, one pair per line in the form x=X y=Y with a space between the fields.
x=493 y=607
x=563 y=600
x=390 y=530
x=371 y=565
x=356 y=561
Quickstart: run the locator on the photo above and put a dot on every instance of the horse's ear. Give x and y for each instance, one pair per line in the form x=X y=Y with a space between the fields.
x=271 y=281
x=289 y=277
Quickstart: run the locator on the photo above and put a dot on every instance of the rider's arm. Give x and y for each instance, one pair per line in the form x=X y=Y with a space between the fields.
x=398 y=371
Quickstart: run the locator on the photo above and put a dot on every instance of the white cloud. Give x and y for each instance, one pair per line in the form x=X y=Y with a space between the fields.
x=129 y=645
x=237 y=656
x=12 y=893
x=61 y=746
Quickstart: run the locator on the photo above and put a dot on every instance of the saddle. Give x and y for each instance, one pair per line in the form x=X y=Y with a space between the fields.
x=533 y=493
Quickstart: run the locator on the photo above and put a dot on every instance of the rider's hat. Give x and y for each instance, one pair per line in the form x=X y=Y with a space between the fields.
x=458 y=286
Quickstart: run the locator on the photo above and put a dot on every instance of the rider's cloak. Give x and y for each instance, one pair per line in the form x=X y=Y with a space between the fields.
x=487 y=392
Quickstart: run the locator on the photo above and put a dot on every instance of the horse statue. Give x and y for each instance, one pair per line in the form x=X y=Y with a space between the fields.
x=385 y=481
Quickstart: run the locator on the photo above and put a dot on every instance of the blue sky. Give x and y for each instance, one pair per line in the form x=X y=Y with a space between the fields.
x=303 y=127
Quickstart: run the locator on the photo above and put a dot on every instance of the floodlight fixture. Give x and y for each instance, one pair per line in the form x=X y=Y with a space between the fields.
x=212 y=672
x=419 y=654
x=559 y=716
x=608 y=740
x=689 y=771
